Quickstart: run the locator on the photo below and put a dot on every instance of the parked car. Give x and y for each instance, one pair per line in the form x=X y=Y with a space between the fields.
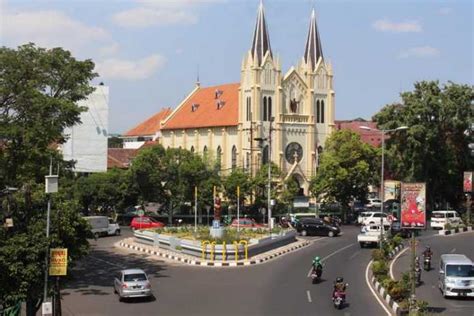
x=358 y=207
x=246 y=223
x=374 y=218
x=102 y=226
x=441 y=218
x=373 y=203
x=144 y=222
x=316 y=227
x=126 y=218
x=132 y=283
x=456 y=275
x=396 y=229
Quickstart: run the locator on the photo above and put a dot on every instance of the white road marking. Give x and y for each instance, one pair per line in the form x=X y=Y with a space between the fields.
x=329 y=256
x=108 y=262
x=354 y=255
x=453 y=250
x=393 y=262
x=372 y=290
x=309 y=296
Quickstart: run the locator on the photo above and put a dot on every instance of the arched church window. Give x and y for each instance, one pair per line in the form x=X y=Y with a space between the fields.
x=219 y=156
x=265 y=155
x=322 y=111
x=192 y=149
x=249 y=109
x=234 y=157
x=318 y=115
x=319 y=156
x=204 y=152
x=269 y=108
x=264 y=118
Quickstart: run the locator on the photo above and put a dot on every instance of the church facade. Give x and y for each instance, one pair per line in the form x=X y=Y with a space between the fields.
x=268 y=115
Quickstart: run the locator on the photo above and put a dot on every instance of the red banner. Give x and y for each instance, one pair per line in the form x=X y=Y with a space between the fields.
x=413 y=208
x=467 y=183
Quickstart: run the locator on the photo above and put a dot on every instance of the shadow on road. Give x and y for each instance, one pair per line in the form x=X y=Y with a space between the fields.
x=435 y=310
x=99 y=268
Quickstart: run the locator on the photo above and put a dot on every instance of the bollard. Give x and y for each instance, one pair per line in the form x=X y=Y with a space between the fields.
x=204 y=248
x=223 y=251
x=236 y=245
x=213 y=248
x=245 y=243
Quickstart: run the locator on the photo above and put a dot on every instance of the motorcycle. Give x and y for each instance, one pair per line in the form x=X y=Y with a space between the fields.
x=339 y=299
x=427 y=263
x=316 y=275
x=417 y=276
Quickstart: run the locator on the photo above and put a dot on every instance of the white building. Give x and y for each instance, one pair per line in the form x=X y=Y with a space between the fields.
x=87 y=142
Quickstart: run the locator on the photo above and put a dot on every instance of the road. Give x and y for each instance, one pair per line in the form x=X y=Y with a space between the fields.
x=279 y=287
x=428 y=290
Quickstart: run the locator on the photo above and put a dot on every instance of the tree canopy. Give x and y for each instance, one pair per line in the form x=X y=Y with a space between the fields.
x=435 y=147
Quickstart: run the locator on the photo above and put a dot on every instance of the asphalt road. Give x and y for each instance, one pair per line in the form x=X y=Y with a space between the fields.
x=279 y=287
x=428 y=290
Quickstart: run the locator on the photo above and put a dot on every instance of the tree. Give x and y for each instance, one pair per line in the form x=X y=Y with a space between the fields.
x=237 y=178
x=347 y=168
x=435 y=147
x=290 y=190
x=260 y=183
x=39 y=89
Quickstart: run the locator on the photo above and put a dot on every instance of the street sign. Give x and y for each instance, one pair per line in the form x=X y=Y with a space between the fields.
x=46 y=309
x=141 y=213
x=58 y=261
x=467 y=183
x=216 y=224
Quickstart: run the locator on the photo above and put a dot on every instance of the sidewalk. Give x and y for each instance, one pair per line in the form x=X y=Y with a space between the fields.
x=172 y=256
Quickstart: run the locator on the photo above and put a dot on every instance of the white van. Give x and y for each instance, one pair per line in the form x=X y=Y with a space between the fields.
x=456 y=275
x=441 y=218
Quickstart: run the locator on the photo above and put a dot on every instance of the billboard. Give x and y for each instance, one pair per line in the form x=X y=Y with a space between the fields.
x=391 y=190
x=413 y=205
x=467 y=183
x=58 y=261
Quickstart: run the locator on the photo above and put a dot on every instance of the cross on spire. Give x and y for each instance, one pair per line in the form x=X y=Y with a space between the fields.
x=313 y=50
x=261 y=39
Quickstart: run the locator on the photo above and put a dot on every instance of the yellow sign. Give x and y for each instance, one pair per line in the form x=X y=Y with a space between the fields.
x=58 y=261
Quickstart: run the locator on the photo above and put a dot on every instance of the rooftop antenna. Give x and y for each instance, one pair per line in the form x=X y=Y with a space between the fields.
x=198 y=84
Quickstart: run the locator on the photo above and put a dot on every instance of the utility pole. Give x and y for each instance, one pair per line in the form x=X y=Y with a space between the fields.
x=412 y=301
x=270 y=174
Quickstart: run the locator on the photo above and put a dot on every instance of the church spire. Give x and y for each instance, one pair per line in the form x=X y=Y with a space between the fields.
x=313 y=49
x=261 y=39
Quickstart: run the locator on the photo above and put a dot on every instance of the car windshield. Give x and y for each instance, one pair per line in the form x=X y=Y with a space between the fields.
x=460 y=270
x=134 y=277
x=438 y=215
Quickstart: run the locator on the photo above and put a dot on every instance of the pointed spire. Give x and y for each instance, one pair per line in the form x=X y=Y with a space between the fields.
x=313 y=49
x=261 y=39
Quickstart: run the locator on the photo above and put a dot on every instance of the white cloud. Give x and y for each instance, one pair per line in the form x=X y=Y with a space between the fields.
x=144 y=17
x=51 y=28
x=110 y=49
x=130 y=70
x=445 y=11
x=385 y=25
x=419 y=52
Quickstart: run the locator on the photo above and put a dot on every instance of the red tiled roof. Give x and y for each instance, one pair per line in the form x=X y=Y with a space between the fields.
x=150 y=126
x=120 y=157
x=370 y=137
x=206 y=113
x=149 y=143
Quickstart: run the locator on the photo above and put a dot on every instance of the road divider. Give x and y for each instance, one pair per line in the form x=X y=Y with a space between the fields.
x=456 y=230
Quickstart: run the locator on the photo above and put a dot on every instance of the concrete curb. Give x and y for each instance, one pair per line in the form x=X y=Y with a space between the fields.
x=207 y=263
x=455 y=231
x=384 y=293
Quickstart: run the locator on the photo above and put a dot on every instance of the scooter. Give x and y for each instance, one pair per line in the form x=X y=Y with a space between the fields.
x=339 y=299
x=316 y=275
x=418 y=276
x=427 y=263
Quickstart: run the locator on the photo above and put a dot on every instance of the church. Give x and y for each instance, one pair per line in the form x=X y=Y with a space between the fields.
x=272 y=116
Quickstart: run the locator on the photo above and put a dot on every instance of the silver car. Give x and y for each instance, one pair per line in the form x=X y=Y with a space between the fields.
x=132 y=283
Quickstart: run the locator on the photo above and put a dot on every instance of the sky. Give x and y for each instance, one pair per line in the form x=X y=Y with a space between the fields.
x=149 y=52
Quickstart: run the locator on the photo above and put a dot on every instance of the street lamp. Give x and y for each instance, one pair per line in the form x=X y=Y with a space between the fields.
x=170 y=214
x=382 y=193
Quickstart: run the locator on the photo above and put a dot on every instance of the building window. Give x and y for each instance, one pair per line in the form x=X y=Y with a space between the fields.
x=264 y=109
x=247 y=162
x=234 y=157
x=192 y=149
x=265 y=155
x=269 y=108
x=219 y=156
x=249 y=109
x=318 y=116
x=204 y=152
x=322 y=111
x=319 y=156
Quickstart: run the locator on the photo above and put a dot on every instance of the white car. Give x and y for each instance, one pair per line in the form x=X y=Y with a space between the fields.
x=374 y=218
x=374 y=203
x=132 y=283
x=441 y=218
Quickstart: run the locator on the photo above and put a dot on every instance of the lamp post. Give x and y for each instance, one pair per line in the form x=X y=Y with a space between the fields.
x=382 y=193
x=170 y=211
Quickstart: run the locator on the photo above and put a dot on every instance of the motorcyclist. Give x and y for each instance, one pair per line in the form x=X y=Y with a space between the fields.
x=427 y=253
x=339 y=286
x=317 y=266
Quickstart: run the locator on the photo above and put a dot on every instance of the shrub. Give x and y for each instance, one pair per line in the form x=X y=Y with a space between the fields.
x=447 y=226
x=397 y=240
x=379 y=268
x=378 y=255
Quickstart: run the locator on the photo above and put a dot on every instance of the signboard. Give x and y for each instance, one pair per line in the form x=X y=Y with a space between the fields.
x=467 y=183
x=413 y=205
x=301 y=201
x=46 y=308
x=216 y=224
x=391 y=190
x=58 y=261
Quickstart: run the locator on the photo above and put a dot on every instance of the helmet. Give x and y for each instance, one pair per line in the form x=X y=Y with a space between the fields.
x=316 y=259
x=339 y=280
x=428 y=248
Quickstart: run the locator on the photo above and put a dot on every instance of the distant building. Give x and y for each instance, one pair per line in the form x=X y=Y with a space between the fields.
x=149 y=130
x=370 y=137
x=120 y=157
x=87 y=142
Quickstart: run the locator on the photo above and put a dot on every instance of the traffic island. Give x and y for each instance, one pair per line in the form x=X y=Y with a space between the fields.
x=458 y=230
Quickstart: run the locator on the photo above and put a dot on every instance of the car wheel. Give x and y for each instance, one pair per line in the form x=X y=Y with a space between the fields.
x=304 y=233
x=96 y=235
x=331 y=234
x=117 y=232
x=115 y=290
x=361 y=245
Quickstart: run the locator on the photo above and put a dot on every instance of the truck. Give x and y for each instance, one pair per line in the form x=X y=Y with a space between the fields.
x=102 y=226
x=370 y=235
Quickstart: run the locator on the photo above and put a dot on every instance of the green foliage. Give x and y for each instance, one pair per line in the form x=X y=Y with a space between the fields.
x=237 y=178
x=291 y=188
x=379 y=268
x=347 y=168
x=260 y=183
x=115 y=142
x=378 y=255
x=447 y=226
x=435 y=147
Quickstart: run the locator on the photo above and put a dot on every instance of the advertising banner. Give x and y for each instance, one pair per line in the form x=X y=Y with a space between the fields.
x=58 y=261
x=467 y=183
x=413 y=205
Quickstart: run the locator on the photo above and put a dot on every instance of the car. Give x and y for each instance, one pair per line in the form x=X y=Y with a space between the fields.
x=316 y=227
x=396 y=229
x=132 y=283
x=373 y=203
x=374 y=218
x=370 y=235
x=144 y=222
x=456 y=275
x=440 y=218
x=246 y=223
x=358 y=207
